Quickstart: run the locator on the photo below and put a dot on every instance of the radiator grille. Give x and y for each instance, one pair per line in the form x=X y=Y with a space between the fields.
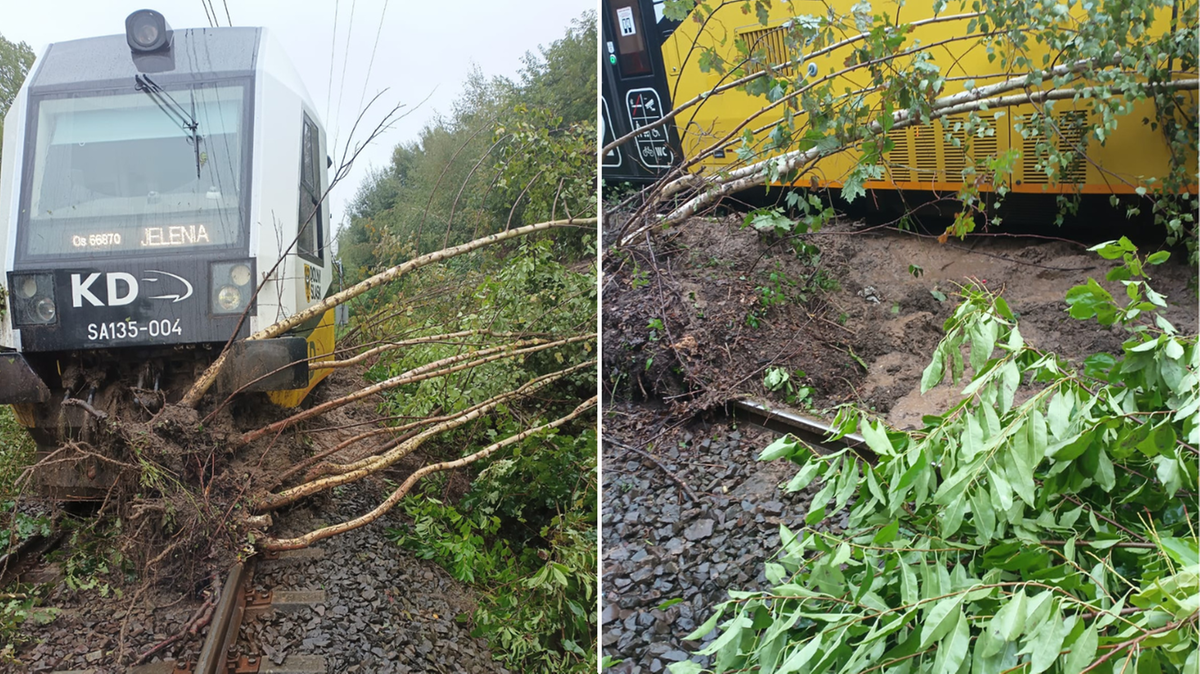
x=984 y=148
x=981 y=148
x=1071 y=137
x=898 y=158
x=925 y=152
x=955 y=157
x=769 y=44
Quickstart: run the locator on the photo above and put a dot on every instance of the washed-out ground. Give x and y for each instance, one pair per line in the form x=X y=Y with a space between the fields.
x=686 y=330
x=383 y=610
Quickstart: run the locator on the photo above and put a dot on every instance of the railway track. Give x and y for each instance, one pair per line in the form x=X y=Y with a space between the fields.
x=241 y=600
x=806 y=427
x=224 y=650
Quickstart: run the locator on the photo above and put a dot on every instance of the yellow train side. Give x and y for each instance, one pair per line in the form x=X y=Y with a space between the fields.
x=922 y=158
x=320 y=349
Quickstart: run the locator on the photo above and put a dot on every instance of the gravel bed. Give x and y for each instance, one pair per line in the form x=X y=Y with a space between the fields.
x=385 y=610
x=659 y=545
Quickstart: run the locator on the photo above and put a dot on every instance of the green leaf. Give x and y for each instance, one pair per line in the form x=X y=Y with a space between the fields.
x=707 y=626
x=909 y=590
x=983 y=515
x=1158 y=257
x=983 y=342
x=955 y=646
x=1168 y=473
x=685 y=667
x=1008 y=622
x=847 y=485
x=877 y=439
x=733 y=631
x=940 y=620
x=887 y=534
x=802 y=656
x=804 y=477
x=1010 y=379
x=782 y=448
x=1173 y=350
x=932 y=376
x=1002 y=489
x=956 y=483
x=1058 y=413
x=952 y=517
x=1037 y=609
x=669 y=603
x=1104 y=475
x=1021 y=462
x=1158 y=440
x=1083 y=651
x=1047 y=642
x=1183 y=550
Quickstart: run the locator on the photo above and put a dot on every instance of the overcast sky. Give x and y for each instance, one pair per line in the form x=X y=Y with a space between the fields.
x=425 y=48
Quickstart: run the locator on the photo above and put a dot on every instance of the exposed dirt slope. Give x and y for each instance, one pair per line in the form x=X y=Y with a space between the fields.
x=857 y=321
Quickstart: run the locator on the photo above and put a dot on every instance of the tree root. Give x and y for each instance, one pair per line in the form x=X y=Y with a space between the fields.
x=199 y=619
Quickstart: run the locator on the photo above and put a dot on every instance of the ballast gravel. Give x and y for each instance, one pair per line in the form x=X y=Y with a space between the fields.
x=660 y=546
x=384 y=610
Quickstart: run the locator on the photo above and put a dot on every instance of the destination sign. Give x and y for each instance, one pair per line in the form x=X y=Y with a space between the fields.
x=175 y=235
x=43 y=239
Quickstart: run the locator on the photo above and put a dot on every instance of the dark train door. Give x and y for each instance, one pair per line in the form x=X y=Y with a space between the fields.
x=634 y=92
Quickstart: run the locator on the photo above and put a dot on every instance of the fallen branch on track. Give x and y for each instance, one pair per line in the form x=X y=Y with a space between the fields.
x=326 y=532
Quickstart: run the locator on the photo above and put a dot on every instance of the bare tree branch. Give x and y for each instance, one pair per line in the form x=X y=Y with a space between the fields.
x=326 y=532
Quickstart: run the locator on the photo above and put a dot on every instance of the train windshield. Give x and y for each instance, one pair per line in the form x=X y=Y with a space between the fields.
x=151 y=170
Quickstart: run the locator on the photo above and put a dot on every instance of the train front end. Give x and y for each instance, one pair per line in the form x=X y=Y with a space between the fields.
x=133 y=194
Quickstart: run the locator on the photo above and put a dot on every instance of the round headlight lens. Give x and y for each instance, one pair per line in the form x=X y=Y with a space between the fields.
x=240 y=275
x=228 y=298
x=145 y=33
x=28 y=288
x=45 y=310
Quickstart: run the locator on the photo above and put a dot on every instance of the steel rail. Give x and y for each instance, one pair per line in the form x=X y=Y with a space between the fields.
x=806 y=427
x=227 y=618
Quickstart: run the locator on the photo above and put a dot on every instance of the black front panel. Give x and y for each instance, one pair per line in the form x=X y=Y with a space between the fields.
x=125 y=303
x=635 y=92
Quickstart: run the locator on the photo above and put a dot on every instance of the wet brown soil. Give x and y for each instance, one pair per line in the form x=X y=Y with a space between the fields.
x=698 y=315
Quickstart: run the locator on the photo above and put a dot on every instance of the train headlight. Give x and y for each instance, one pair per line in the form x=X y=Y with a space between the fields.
x=32 y=300
x=28 y=288
x=147 y=31
x=231 y=286
x=240 y=275
x=45 y=310
x=228 y=299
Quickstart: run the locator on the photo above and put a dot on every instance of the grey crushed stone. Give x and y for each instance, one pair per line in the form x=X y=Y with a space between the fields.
x=659 y=545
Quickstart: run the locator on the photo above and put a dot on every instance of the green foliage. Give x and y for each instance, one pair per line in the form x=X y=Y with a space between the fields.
x=1041 y=524
x=16 y=451
x=15 y=610
x=777 y=379
x=15 y=60
x=508 y=154
x=524 y=533
x=530 y=553
x=527 y=292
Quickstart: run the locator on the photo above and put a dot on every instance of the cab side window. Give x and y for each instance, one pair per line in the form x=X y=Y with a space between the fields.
x=311 y=227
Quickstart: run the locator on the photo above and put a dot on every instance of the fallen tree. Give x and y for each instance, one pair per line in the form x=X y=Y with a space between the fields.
x=1044 y=523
